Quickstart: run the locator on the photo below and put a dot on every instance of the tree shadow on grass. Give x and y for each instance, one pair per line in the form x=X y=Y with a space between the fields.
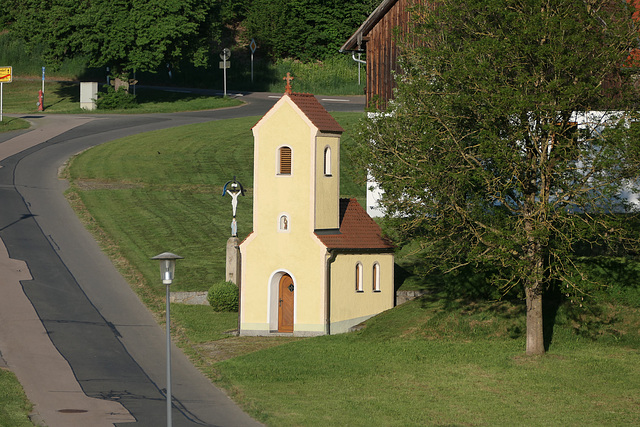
x=65 y=92
x=469 y=293
x=552 y=300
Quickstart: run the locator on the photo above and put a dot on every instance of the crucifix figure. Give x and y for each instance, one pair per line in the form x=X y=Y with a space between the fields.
x=234 y=190
x=287 y=88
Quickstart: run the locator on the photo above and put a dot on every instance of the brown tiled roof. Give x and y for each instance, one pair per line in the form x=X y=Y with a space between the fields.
x=312 y=108
x=357 y=230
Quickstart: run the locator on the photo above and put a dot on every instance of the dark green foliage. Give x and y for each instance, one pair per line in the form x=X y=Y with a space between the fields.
x=112 y=99
x=6 y=16
x=125 y=35
x=145 y=36
x=223 y=296
x=304 y=29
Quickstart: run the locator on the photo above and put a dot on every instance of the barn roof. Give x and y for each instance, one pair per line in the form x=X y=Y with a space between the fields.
x=355 y=41
x=357 y=230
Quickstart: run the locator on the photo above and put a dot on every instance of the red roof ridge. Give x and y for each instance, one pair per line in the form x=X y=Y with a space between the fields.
x=358 y=231
x=319 y=116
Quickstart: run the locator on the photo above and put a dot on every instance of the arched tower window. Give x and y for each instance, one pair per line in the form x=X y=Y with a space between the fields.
x=359 y=273
x=284 y=161
x=327 y=161
x=376 y=277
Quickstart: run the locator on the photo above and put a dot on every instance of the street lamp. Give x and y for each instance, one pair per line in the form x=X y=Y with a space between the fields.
x=167 y=270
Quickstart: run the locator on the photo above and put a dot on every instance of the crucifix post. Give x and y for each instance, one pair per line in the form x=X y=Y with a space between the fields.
x=234 y=189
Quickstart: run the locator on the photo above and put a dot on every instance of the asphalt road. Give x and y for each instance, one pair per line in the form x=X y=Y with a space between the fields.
x=110 y=341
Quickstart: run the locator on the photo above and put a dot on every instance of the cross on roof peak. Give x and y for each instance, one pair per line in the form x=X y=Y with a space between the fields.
x=288 y=78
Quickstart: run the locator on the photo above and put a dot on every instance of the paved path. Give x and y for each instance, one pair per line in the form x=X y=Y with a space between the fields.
x=82 y=344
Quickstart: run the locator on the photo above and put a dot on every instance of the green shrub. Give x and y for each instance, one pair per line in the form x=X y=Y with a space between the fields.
x=223 y=296
x=112 y=99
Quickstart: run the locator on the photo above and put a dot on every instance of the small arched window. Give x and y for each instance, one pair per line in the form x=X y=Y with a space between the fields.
x=284 y=161
x=359 y=272
x=376 y=277
x=327 y=161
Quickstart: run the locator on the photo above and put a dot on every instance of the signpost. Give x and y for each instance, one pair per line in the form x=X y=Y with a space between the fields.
x=6 y=76
x=225 y=55
x=253 y=46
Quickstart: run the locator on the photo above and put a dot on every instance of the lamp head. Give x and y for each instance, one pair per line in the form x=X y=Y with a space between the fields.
x=167 y=266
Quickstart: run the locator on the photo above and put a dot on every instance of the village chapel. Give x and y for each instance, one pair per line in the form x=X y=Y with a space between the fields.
x=314 y=264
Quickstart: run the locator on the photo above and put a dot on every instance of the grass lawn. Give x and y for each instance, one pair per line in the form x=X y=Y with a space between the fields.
x=12 y=123
x=428 y=362
x=421 y=365
x=21 y=96
x=14 y=406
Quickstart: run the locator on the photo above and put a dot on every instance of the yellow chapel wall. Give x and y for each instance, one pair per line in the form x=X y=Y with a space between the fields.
x=350 y=307
x=269 y=251
x=264 y=264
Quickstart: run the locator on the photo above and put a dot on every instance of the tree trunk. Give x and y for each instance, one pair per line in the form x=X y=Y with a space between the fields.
x=534 y=288
x=535 y=333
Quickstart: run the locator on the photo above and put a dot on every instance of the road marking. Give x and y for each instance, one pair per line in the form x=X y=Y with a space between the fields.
x=335 y=100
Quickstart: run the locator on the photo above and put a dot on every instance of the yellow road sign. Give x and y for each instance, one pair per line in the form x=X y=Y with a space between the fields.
x=6 y=74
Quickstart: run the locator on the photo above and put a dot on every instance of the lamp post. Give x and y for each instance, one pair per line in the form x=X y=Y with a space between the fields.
x=167 y=270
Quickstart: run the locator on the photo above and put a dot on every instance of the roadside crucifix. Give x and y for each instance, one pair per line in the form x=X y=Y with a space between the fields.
x=234 y=189
x=232 y=270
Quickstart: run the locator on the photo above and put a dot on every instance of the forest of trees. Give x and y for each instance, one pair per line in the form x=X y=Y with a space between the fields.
x=127 y=35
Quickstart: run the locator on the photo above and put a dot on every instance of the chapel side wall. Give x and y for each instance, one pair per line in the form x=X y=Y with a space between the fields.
x=327 y=203
x=349 y=307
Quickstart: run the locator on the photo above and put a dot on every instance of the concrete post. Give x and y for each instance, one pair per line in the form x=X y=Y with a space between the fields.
x=233 y=260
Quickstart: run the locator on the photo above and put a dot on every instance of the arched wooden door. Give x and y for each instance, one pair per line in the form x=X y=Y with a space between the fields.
x=285 y=304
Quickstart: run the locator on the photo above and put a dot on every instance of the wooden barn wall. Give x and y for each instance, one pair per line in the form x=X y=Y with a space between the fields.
x=382 y=54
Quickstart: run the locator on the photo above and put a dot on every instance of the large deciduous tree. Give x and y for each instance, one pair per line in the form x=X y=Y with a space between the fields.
x=512 y=137
x=126 y=35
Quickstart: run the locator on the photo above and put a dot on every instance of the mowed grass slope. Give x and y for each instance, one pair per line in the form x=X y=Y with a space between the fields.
x=162 y=191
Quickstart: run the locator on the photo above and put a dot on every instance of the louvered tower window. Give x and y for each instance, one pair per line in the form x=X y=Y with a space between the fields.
x=284 y=160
